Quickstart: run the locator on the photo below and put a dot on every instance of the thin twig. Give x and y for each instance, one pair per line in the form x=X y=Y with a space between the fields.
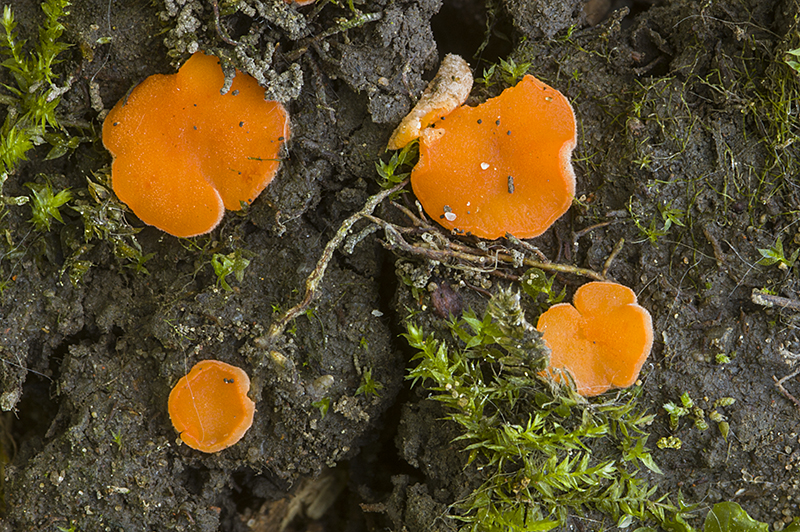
x=423 y=224
x=765 y=299
x=220 y=30
x=411 y=216
x=480 y=290
x=612 y=256
x=394 y=239
x=421 y=221
x=718 y=254
x=779 y=385
x=526 y=246
x=314 y=279
x=343 y=25
x=591 y=228
x=458 y=252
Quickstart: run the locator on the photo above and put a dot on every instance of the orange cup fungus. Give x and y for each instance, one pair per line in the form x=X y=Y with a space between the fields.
x=501 y=167
x=209 y=406
x=184 y=152
x=602 y=341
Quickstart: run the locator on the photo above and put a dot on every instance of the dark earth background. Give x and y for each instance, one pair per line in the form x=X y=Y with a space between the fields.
x=686 y=111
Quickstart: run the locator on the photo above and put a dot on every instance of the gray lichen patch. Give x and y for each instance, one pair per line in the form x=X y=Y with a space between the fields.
x=182 y=38
x=196 y=26
x=285 y=86
x=284 y=16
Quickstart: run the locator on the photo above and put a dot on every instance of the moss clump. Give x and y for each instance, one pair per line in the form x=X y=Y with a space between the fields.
x=45 y=205
x=30 y=102
x=544 y=451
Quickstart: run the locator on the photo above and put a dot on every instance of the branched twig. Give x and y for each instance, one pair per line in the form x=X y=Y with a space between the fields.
x=451 y=253
x=395 y=240
x=315 y=278
x=472 y=255
x=779 y=385
x=343 y=25
x=411 y=216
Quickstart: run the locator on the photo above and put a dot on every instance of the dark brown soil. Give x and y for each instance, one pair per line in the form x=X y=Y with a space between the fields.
x=686 y=111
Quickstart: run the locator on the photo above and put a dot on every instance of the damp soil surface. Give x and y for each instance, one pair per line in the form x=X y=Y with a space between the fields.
x=686 y=178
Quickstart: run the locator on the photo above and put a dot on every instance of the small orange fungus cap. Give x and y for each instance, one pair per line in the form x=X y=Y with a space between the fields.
x=602 y=341
x=501 y=167
x=209 y=407
x=183 y=152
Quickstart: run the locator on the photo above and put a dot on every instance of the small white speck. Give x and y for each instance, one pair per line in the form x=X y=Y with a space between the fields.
x=469 y=203
x=377 y=313
x=450 y=216
x=484 y=166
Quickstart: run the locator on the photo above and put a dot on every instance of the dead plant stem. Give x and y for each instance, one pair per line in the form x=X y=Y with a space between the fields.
x=395 y=240
x=779 y=385
x=315 y=277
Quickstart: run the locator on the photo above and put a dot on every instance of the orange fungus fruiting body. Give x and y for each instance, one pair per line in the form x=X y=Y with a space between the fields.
x=602 y=339
x=501 y=167
x=184 y=152
x=209 y=406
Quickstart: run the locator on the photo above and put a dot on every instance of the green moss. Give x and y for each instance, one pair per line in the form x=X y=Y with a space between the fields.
x=535 y=283
x=323 y=405
x=510 y=72
x=369 y=386
x=103 y=219
x=31 y=101
x=224 y=265
x=657 y=226
x=776 y=255
x=688 y=408
x=544 y=451
x=45 y=204
x=388 y=173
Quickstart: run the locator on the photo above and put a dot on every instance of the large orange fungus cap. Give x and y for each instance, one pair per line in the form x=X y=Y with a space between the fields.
x=209 y=406
x=602 y=341
x=183 y=152
x=501 y=167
